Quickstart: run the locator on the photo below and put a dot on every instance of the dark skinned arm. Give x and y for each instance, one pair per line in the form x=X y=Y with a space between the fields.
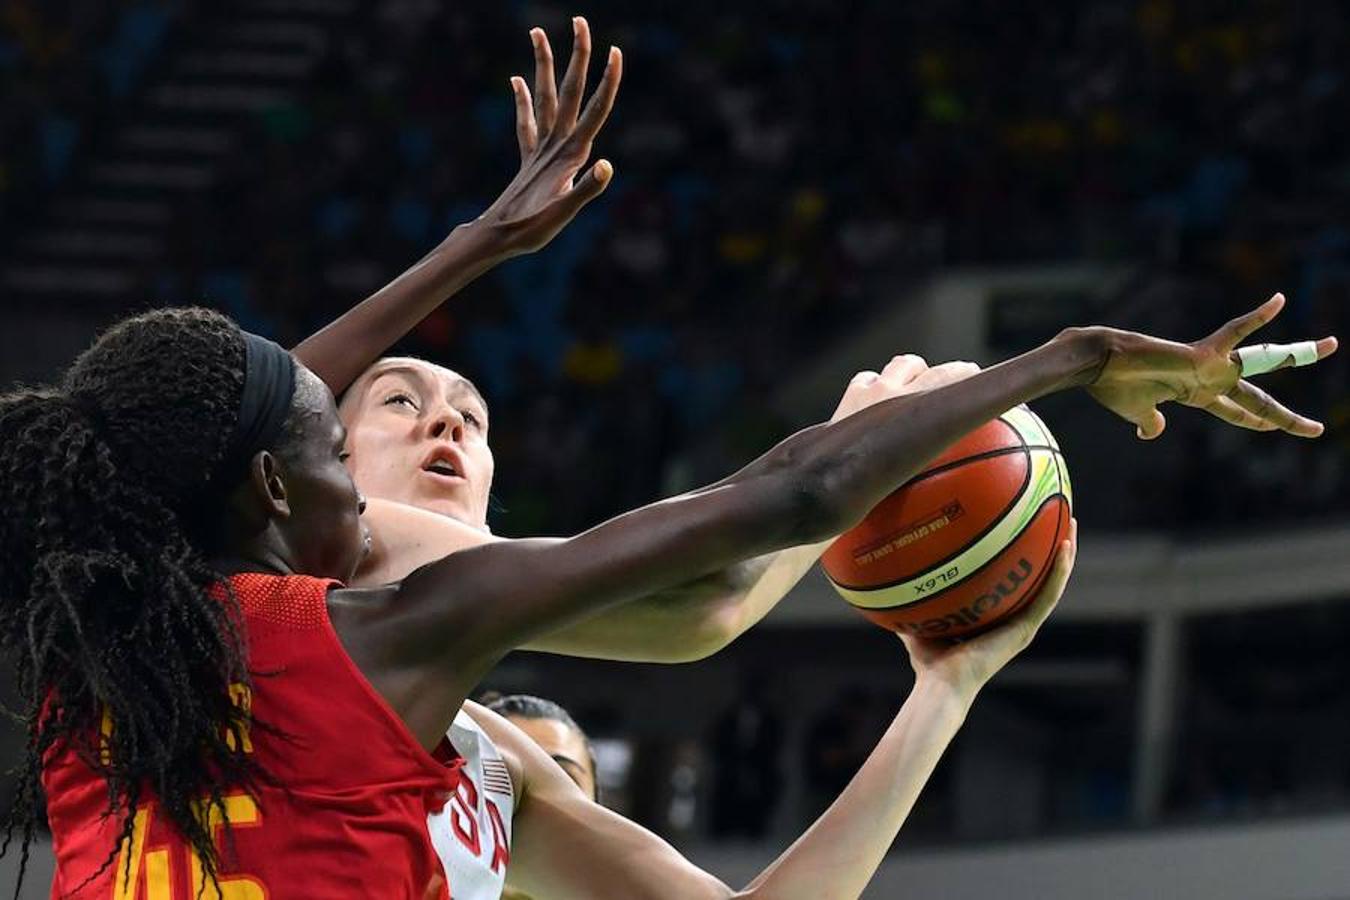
x=689 y=622
x=451 y=621
x=555 y=139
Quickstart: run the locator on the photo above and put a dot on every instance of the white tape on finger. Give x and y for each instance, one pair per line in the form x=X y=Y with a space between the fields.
x=1261 y=358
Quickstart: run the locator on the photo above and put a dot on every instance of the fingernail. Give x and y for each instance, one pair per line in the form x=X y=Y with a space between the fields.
x=577 y=22
x=603 y=171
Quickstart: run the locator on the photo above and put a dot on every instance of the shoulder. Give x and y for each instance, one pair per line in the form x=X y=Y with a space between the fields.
x=294 y=601
x=405 y=538
x=512 y=743
x=507 y=738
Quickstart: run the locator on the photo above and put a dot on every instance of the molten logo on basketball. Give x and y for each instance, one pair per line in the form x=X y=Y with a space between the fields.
x=977 y=609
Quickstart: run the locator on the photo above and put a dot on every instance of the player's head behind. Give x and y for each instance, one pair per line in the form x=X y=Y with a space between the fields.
x=418 y=434
x=556 y=732
x=122 y=486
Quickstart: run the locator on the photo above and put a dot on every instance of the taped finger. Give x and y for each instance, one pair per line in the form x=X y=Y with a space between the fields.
x=1261 y=358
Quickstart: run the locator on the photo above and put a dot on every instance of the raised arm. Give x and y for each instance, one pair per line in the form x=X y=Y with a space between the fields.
x=567 y=847
x=816 y=484
x=555 y=138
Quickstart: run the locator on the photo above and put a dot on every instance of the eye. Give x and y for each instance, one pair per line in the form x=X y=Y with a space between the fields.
x=400 y=399
x=471 y=417
x=343 y=456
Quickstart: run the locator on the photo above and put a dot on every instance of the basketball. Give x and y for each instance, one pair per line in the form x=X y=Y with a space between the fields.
x=966 y=542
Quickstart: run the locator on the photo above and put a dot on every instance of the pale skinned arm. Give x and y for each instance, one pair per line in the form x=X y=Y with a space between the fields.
x=566 y=847
x=682 y=624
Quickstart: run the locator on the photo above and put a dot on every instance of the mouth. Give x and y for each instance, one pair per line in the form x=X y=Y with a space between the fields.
x=443 y=469
x=445 y=465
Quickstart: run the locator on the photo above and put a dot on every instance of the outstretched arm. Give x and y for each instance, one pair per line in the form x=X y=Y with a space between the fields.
x=555 y=138
x=568 y=847
x=816 y=484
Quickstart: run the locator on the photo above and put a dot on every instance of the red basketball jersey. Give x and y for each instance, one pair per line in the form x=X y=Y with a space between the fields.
x=348 y=818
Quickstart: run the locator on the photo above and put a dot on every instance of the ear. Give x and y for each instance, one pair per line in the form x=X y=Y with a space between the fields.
x=267 y=484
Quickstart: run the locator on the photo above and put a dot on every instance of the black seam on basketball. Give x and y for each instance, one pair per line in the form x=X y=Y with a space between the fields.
x=993 y=523
x=958 y=463
x=987 y=454
x=1036 y=586
x=936 y=594
x=976 y=457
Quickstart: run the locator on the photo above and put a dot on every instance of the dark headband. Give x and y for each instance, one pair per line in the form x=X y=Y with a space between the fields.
x=269 y=389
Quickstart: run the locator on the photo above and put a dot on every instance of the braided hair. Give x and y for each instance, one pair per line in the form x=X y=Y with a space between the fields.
x=123 y=655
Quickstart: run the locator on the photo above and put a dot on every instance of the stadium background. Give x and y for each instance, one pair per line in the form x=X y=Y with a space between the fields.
x=803 y=189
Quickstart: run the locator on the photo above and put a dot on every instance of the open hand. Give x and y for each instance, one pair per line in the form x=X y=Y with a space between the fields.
x=968 y=665
x=1142 y=372
x=555 y=137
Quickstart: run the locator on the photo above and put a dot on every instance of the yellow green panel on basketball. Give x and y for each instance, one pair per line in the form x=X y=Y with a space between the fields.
x=967 y=541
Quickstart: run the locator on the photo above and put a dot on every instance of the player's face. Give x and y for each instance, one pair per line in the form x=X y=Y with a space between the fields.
x=323 y=531
x=418 y=434
x=565 y=745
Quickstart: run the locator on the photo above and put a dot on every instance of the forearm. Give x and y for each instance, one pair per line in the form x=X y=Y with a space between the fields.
x=840 y=852
x=344 y=349
x=689 y=622
x=847 y=466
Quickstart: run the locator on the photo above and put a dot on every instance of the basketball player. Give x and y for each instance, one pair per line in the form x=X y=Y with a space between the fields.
x=163 y=703
x=403 y=415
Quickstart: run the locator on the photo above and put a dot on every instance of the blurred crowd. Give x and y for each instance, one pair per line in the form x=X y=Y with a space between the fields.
x=782 y=168
x=65 y=65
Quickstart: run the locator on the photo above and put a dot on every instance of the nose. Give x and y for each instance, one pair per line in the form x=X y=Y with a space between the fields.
x=447 y=422
x=360 y=504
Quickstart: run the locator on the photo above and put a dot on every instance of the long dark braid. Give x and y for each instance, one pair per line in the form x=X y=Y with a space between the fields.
x=104 y=578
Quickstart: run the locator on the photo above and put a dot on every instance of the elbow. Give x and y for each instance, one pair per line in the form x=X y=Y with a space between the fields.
x=718 y=619
x=719 y=625
x=819 y=504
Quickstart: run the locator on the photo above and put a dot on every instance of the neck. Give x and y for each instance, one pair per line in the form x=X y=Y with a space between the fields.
x=261 y=551
x=234 y=564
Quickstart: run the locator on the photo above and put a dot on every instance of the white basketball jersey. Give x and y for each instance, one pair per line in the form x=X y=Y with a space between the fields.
x=472 y=834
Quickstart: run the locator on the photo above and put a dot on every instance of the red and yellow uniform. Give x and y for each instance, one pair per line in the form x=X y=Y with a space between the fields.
x=347 y=818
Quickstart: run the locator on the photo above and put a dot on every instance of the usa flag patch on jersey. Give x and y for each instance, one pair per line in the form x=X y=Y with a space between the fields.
x=496 y=777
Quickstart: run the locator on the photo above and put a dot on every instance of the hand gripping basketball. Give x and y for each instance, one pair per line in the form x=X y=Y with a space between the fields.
x=968 y=664
x=1142 y=372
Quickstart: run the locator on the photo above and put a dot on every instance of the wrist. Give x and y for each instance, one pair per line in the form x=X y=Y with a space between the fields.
x=481 y=241
x=1086 y=350
x=954 y=696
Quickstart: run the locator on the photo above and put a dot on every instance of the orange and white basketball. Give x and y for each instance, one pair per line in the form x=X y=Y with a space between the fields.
x=966 y=542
